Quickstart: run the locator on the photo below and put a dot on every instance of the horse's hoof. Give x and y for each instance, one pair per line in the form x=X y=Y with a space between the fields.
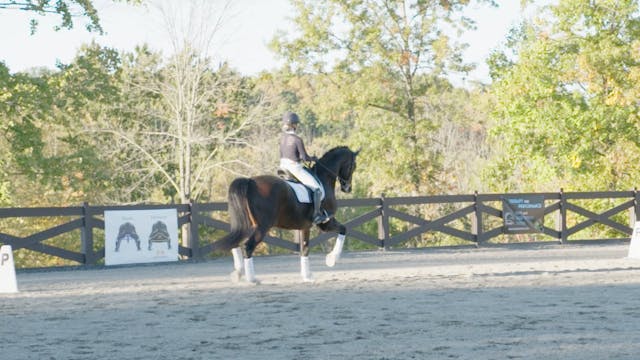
x=255 y=282
x=308 y=280
x=331 y=259
x=236 y=276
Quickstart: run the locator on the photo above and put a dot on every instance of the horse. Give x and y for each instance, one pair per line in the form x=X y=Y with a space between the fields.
x=260 y=203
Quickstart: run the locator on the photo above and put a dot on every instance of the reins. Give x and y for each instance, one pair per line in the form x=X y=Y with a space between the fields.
x=331 y=172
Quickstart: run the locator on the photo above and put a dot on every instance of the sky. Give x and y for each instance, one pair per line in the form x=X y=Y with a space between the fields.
x=241 y=41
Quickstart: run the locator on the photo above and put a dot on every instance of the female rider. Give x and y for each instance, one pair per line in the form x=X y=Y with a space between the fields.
x=292 y=154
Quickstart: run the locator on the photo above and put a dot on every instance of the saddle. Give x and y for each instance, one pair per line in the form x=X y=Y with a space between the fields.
x=159 y=233
x=303 y=193
x=285 y=175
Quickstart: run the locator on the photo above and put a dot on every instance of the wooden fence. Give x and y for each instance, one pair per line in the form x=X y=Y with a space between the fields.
x=444 y=220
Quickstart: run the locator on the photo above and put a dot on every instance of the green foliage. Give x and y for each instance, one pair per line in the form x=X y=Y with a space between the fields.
x=48 y=143
x=384 y=64
x=67 y=10
x=139 y=127
x=111 y=117
x=566 y=102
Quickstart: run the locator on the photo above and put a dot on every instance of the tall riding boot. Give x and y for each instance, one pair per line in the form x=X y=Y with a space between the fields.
x=319 y=215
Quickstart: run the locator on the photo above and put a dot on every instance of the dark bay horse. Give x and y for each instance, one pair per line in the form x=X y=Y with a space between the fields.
x=259 y=203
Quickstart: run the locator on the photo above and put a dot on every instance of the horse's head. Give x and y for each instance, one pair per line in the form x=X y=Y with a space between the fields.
x=341 y=163
x=345 y=172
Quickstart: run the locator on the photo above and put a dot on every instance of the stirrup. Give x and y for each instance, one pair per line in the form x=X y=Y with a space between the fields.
x=321 y=218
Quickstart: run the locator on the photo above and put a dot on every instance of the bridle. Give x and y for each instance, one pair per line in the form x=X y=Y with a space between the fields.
x=343 y=181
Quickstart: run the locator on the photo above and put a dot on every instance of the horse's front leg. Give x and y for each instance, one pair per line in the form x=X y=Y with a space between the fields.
x=334 y=255
x=305 y=266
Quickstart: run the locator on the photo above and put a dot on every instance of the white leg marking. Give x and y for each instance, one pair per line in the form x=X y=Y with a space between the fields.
x=238 y=266
x=249 y=271
x=305 y=269
x=334 y=255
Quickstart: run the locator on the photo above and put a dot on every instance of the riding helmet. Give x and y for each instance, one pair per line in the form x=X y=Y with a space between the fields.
x=290 y=118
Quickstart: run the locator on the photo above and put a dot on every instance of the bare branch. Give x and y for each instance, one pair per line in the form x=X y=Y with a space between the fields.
x=157 y=166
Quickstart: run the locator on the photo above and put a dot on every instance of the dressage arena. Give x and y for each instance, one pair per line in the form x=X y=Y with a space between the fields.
x=525 y=302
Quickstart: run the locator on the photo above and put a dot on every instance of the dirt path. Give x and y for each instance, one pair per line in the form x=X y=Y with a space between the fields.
x=552 y=302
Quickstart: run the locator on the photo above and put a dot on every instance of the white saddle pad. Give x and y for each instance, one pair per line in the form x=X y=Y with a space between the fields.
x=302 y=192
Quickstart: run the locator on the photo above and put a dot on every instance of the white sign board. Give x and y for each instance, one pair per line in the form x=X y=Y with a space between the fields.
x=634 y=246
x=8 y=282
x=140 y=236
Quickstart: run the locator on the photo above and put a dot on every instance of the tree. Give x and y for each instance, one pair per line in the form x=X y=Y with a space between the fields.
x=193 y=114
x=145 y=127
x=386 y=58
x=43 y=118
x=177 y=122
x=567 y=106
x=66 y=9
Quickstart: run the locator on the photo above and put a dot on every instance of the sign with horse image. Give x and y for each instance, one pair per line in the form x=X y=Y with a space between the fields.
x=140 y=236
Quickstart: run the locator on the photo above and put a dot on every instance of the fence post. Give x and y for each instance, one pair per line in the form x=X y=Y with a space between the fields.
x=561 y=222
x=636 y=203
x=194 y=238
x=634 y=211
x=476 y=220
x=86 y=235
x=383 y=225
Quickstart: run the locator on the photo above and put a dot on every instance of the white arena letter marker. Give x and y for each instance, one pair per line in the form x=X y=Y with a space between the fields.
x=8 y=283
x=634 y=246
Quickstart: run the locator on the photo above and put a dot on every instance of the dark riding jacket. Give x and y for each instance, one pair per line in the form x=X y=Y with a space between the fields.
x=292 y=148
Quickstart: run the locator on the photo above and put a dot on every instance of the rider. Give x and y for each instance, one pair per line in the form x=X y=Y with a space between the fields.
x=292 y=154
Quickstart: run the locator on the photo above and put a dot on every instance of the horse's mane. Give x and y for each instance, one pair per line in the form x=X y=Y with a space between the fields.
x=331 y=154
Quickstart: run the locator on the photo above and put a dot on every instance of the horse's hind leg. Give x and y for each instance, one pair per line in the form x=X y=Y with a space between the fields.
x=247 y=251
x=238 y=264
x=249 y=271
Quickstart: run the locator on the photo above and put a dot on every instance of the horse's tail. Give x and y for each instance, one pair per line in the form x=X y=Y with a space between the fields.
x=241 y=220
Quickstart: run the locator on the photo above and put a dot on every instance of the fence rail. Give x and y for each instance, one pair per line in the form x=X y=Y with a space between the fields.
x=474 y=219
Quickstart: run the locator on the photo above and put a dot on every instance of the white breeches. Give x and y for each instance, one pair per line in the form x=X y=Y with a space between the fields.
x=301 y=174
